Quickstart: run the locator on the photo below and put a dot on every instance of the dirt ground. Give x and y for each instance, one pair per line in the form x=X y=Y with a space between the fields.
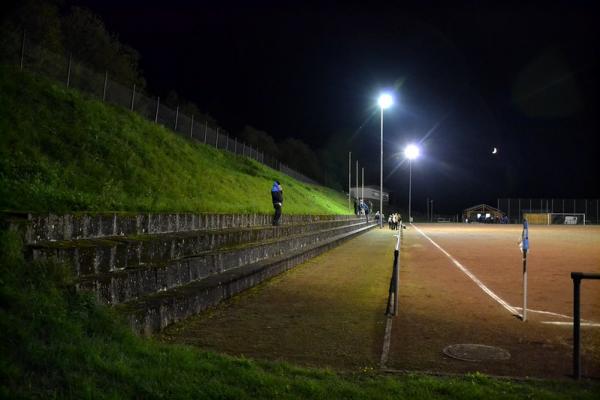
x=440 y=305
x=328 y=312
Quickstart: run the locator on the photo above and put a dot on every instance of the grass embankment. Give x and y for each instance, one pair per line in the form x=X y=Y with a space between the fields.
x=57 y=343
x=61 y=151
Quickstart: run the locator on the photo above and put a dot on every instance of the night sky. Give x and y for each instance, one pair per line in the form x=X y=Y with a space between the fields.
x=467 y=78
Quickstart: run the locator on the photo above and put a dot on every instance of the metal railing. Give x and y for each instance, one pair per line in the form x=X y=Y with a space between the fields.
x=577 y=277
x=28 y=56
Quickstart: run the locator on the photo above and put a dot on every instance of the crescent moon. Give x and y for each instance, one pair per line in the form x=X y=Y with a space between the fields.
x=494 y=151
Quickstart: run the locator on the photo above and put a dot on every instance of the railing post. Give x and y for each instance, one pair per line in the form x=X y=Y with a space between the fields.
x=132 y=97
x=176 y=118
x=69 y=69
x=22 y=49
x=105 y=86
x=576 y=324
x=192 y=127
x=157 y=107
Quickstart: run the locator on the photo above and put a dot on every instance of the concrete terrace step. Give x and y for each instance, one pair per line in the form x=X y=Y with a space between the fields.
x=111 y=254
x=151 y=313
x=122 y=286
x=47 y=227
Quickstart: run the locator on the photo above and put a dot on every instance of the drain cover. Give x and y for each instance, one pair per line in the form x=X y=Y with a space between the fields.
x=476 y=352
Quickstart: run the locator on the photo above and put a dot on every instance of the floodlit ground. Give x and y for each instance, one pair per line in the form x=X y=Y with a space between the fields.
x=329 y=311
x=440 y=304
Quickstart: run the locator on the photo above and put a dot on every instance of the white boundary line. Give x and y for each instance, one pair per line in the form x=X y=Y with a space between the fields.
x=487 y=290
x=590 y=324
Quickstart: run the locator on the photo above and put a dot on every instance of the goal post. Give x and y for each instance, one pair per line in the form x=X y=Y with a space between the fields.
x=555 y=218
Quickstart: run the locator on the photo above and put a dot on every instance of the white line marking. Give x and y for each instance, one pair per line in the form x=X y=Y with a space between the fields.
x=590 y=324
x=386 y=342
x=487 y=290
x=550 y=313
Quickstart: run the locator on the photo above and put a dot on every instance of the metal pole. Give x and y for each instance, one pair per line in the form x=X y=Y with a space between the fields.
x=356 y=179
x=69 y=70
x=157 y=107
x=362 y=193
x=22 y=50
x=524 y=285
x=205 y=130
x=409 y=190
x=431 y=210
x=349 y=177
x=217 y=139
x=397 y=267
x=132 y=97
x=381 y=172
x=176 y=118
x=192 y=127
x=234 y=145
x=105 y=86
x=576 y=325
x=227 y=142
x=244 y=149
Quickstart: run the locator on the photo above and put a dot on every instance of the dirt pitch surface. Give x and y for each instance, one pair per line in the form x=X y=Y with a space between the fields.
x=459 y=284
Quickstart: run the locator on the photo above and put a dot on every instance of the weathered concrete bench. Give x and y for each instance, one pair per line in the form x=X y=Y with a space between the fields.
x=160 y=268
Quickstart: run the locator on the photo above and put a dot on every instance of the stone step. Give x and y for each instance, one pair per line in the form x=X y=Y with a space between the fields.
x=152 y=313
x=124 y=285
x=40 y=227
x=96 y=256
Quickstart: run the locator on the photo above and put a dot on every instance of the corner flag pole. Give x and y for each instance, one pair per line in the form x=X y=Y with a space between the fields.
x=524 y=249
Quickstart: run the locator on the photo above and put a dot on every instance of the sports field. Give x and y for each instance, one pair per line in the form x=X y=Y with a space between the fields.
x=459 y=284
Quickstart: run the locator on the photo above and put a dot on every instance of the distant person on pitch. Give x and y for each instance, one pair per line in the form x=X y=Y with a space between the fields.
x=277 y=197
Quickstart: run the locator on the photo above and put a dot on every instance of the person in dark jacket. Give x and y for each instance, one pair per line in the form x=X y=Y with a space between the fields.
x=277 y=197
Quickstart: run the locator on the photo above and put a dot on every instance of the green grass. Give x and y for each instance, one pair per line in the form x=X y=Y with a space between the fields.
x=62 y=152
x=57 y=343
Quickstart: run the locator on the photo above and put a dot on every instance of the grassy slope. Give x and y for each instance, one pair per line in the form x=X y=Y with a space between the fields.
x=60 y=151
x=60 y=344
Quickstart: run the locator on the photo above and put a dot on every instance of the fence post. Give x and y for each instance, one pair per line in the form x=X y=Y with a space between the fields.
x=235 y=146
x=176 y=118
x=69 y=69
x=157 y=106
x=243 y=149
x=132 y=97
x=227 y=142
x=105 y=85
x=576 y=325
x=217 y=140
x=192 y=127
x=205 y=130
x=22 y=49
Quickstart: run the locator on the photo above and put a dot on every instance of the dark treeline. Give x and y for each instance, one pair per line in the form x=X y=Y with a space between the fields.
x=80 y=33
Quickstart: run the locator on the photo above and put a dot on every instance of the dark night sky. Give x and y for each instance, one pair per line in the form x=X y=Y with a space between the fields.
x=467 y=77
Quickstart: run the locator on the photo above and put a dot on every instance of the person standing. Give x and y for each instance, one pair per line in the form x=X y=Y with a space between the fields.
x=277 y=197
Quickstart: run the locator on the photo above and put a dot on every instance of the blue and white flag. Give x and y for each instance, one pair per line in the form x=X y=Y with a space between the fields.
x=524 y=243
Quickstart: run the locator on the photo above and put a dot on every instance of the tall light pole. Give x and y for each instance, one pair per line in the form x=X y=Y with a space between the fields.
x=411 y=152
x=349 y=177
x=384 y=101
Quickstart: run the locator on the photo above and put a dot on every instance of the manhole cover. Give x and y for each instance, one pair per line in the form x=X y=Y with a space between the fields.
x=476 y=352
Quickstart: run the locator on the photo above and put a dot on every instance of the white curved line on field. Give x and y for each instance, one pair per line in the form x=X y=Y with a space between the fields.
x=588 y=324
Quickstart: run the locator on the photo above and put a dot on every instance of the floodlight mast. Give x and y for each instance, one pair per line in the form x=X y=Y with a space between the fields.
x=411 y=152
x=385 y=101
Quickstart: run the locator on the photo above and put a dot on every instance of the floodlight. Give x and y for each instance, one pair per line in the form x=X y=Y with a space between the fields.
x=385 y=101
x=411 y=152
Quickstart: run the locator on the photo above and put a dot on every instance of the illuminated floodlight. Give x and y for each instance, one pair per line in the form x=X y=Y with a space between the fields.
x=385 y=101
x=411 y=152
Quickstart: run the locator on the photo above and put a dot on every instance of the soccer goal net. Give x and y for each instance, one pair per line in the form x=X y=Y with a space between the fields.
x=555 y=218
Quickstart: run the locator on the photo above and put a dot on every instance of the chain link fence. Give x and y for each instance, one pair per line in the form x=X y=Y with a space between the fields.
x=515 y=208
x=74 y=74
